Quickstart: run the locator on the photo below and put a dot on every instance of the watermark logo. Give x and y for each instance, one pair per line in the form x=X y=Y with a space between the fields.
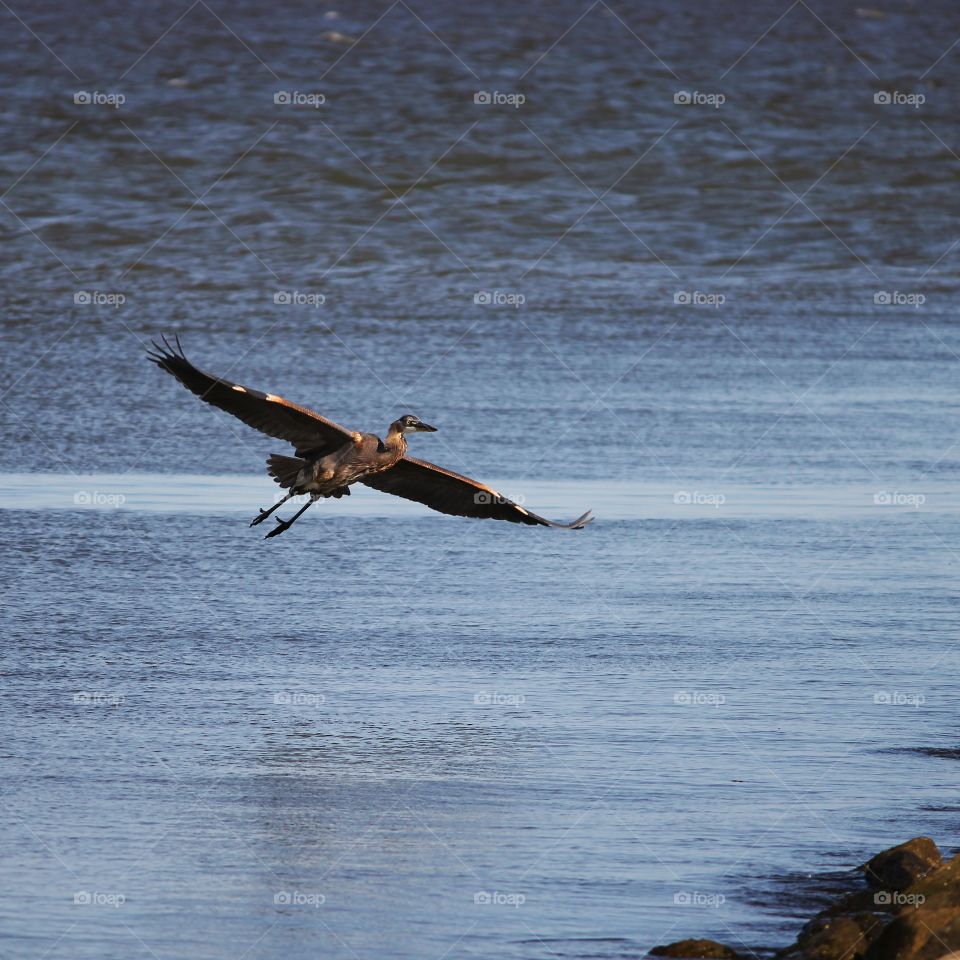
x=698 y=698
x=97 y=298
x=286 y=698
x=297 y=298
x=897 y=298
x=498 y=699
x=298 y=898
x=496 y=98
x=897 y=98
x=497 y=899
x=895 y=898
x=694 y=898
x=95 y=498
x=896 y=498
x=96 y=98
x=698 y=499
x=697 y=298
x=498 y=298
x=490 y=497
x=86 y=898
x=98 y=698
x=895 y=698
x=295 y=98
x=696 y=98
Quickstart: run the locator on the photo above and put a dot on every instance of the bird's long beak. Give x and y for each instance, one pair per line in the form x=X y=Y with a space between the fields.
x=425 y=427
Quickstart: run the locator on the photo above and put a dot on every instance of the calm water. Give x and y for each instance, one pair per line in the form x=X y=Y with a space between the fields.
x=394 y=733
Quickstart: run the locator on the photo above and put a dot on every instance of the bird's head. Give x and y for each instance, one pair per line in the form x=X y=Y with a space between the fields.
x=408 y=423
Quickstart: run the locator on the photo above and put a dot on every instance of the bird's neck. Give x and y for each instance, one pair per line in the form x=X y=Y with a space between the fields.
x=396 y=443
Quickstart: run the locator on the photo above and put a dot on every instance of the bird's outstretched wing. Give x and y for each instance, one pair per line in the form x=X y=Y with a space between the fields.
x=449 y=492
x=269 y=414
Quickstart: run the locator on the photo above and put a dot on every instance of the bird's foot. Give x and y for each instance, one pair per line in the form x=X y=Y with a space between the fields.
x=279 y=528
x=263 y=516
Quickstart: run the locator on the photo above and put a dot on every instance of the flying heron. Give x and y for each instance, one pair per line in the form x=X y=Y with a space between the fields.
x=329 y=458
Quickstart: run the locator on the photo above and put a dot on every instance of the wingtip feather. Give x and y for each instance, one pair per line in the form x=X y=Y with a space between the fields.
x=163 y=352
x=583 y=521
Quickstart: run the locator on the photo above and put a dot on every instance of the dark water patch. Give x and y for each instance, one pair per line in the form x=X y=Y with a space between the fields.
x=939 y=753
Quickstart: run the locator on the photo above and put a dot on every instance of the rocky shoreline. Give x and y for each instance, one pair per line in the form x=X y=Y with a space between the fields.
x=907 y=907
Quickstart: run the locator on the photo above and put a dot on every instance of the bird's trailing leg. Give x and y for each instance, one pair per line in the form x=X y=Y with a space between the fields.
x=287 y=524
x=266 y=513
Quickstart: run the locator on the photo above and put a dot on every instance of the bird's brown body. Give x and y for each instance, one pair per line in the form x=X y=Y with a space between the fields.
x=332 y=474
x=329 y=458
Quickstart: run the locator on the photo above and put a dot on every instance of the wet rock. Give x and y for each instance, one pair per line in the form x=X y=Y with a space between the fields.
x=937 y=891
x=910 y=911
x=860 y=901
x=836 y=938
x=900 y=866
x=706 y=949
x=920 y=934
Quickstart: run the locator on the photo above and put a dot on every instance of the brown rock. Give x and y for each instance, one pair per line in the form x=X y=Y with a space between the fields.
x=837 y=938
x=872 y=924
x=902 y=865
x=860 y=901
x=921 y=934
x=708 y=949
x=936 y=891
x=910 y=912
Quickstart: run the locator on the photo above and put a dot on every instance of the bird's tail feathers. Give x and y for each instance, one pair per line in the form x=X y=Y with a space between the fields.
x=284 y=470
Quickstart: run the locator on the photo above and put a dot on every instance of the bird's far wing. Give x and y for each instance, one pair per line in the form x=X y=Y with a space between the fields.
x=449 y=492
x=265 y=412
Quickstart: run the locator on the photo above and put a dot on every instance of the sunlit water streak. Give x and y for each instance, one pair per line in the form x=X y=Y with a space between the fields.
x=611 y=499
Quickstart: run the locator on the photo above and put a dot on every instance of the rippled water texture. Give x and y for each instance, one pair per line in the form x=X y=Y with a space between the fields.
x=702 y=279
